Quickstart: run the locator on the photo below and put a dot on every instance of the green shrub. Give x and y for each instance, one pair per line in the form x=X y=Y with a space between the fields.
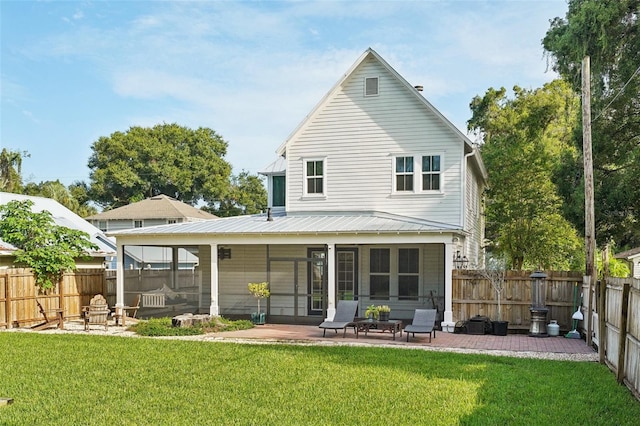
x=164 y=327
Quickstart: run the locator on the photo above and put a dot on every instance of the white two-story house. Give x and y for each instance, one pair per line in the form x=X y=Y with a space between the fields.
x=375 y=196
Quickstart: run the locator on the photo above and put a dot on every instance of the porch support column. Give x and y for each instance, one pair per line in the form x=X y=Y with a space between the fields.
x=119 y=277
x=331 y=281
x=214 y=309
x=448 y=324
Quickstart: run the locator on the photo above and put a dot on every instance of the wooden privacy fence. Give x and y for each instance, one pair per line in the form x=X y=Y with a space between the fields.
x=473 y=295
x=621 y=345
x=18 y=295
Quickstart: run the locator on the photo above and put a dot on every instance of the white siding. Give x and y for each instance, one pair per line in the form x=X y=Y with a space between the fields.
x=359 y=136
x=474 y=220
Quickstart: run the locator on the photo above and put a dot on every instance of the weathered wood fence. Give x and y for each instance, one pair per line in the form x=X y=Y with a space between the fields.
x=621 y=343
x=18 y=295
x=473 y=295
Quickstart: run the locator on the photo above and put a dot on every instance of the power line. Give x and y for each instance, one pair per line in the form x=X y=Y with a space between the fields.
x=618 y=94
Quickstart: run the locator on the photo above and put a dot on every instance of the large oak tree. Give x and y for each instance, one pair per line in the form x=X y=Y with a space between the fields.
x=167 y=159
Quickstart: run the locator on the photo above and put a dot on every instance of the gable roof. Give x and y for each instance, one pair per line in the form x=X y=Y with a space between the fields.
x=157 y=207
x=64 y=217
x=372 y=53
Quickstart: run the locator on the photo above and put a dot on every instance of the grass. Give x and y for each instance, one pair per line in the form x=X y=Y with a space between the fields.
x=58 y=379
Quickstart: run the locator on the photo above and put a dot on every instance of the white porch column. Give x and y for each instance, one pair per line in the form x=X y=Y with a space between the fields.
x=214 y=309
x=119 y=277
x=448 y=324
x=331 y=281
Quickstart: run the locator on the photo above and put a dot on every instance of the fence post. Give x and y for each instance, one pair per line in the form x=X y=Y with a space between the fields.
x=602 y=321
x=622 y=345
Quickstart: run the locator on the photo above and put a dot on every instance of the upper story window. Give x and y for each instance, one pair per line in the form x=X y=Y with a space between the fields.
x=278 y=191
x=137 y=224
x=404 y=173
x=371 y=87
x=419 y=173
x=102 y=224
x=171 y=221
x=430 y=172
x=314 y=176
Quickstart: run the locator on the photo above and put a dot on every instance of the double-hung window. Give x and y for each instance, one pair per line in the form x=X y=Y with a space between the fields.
x=404 y=174
x=430 y=172
x=379 y=273
x=314 y=176
x=408 y=273
x=418 y=173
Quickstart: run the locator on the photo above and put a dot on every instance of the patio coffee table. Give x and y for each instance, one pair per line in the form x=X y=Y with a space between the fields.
x=394 y=326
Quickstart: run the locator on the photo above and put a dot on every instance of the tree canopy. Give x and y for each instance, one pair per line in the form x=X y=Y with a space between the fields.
x=11 y=170
x=45 y=247
x=608 y=32
x=246 y=196
x=185 y=164
x=524 y=142
x=74 y=198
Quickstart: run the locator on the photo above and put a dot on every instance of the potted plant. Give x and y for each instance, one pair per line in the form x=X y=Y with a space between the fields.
x=495 y=272
x=383 y=312
x=371 y=313
x=259 y=291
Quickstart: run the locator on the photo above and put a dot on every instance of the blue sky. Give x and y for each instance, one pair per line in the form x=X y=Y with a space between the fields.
x=73 y=71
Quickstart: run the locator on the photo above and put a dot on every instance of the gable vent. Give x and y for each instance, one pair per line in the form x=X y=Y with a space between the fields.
x=371 y=86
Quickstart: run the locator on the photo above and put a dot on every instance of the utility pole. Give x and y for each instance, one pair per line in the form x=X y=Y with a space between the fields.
x=589 y=211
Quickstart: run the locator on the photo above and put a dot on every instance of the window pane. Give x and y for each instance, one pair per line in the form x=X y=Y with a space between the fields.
x=408 y=287
x=310 y=169
x=278 y=191
x=379 y=287
x=379 y=261
x=435 y=163
x=408 y=261
x=435 y=181
x=319 y=168
x=426 y=163
x=400 y=164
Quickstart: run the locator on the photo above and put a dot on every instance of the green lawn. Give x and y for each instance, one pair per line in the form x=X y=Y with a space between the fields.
x=58 y=379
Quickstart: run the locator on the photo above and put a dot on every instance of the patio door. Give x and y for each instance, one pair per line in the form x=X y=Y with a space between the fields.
x=346 y=277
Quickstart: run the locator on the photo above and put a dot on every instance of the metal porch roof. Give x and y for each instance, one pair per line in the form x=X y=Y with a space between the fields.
x=299 y=223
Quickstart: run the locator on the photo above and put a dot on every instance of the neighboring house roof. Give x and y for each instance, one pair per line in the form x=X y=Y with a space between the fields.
x=308 y=223
x=469 y=147
x=157 y=207
x=634 y=252
x=64 y=217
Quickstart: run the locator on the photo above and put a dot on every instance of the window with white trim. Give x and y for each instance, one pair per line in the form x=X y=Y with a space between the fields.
x=404 y=174
x=371 y=86
x=314 y=177
x=431 y=173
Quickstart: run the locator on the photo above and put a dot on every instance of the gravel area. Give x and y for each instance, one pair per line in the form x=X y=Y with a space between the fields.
x=77 y=327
